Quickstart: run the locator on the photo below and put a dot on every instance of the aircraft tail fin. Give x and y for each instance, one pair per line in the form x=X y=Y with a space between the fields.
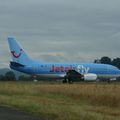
x=17 y=53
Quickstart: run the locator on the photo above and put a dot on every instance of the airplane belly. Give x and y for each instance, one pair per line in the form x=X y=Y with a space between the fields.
x=50 y=76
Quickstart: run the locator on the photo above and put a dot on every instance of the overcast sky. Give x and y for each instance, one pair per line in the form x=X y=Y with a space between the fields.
x=61 y=30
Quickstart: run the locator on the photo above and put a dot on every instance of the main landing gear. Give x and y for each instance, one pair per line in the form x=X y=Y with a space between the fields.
x=67 y=79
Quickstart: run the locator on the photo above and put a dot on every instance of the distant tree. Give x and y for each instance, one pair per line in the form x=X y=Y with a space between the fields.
x=105 y=60
x=116 y=62
x=97 y=61
x=21 y=77
x=1 y=77
x=25 y=78
x=9 y=76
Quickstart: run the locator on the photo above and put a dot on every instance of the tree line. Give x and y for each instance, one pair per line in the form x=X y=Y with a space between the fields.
x=106 y=60
x=10 y=76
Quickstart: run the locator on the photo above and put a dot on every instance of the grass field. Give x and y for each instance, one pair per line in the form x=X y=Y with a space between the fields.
x=64 y=101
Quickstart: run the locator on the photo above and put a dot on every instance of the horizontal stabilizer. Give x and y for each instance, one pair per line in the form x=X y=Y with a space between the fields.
x=15 y=64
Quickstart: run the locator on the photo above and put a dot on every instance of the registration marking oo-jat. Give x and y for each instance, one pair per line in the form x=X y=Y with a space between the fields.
x=80 y=68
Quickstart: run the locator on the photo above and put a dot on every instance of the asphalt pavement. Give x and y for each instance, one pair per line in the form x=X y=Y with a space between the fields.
x=7 y=113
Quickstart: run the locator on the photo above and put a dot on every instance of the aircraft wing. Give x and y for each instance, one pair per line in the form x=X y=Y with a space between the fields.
x=73 y=74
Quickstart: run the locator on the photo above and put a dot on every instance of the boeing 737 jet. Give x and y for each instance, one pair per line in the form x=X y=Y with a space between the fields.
x=68 y=72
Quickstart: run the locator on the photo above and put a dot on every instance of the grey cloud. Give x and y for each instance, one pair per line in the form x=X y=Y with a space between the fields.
x=61 y=30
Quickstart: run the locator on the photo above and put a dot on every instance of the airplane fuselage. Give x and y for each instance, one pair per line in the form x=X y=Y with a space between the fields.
x=58 y=70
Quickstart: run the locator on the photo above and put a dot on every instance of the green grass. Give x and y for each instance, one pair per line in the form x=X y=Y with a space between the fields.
x=63 y=101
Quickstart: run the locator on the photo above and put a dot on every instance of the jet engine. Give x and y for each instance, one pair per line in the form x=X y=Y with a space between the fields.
x=90 y=77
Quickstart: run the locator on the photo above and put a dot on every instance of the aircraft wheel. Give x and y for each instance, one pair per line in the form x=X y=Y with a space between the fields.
x=70 y=81
x=108 y=80
x=64 y=81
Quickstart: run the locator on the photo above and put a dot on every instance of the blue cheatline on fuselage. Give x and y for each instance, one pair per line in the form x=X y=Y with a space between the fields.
x=21 y=62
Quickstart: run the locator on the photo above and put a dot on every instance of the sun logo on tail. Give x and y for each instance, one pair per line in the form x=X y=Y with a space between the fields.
x=18 y=55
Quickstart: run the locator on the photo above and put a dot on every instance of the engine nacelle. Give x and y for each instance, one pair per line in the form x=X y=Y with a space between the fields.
x=90 y=77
